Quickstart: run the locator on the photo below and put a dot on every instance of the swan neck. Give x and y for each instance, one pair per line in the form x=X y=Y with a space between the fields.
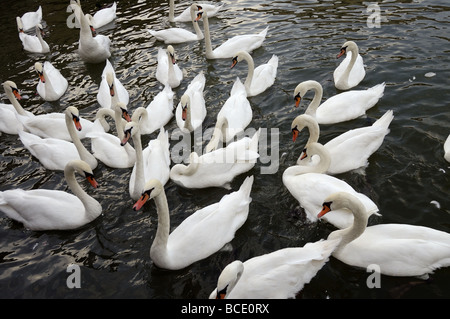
x=118 y=121
x=188 y=121
x=251 y=70
x=163 y=230
x=208 y=46
x=360 y=219
x=82 y=151
x=349 y=68
x=197 y=29
x=69 y=174
x=318 y=93
x=171 y=10
x=139 y=182
x=14 y=102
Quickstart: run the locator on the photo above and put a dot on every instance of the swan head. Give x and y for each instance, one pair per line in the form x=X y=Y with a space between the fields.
x=110 y=81
x=39 y=28
x=185 y=102
x=82 y=168
x=171 y=54
x=238 y=58
x=19 y=24
x=73 y=114
x=342 y=200
x=299 y=123
x=201 y=14
x=40 y=71
x=347 y=46
x=130 y=129
x=90 y=19
x=122 y=107
x=11 y=87
x=152 y=189
x=301 y=89
x=228 y=279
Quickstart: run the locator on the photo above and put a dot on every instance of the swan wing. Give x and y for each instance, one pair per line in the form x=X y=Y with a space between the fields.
x=104 y=16
x=42 y=209
x=173 y=35
x=246 y=42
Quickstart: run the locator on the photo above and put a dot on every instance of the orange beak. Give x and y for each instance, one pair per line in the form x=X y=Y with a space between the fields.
x=92 y=180
x=294 y=134
x=341 y=53
x=297 y=100
x=141 y=201
x=221 y=296
x=77 y=123
x=111 y=90
x=94 y=33
x=41 y=77
x=325 y=209
x=126 y=115
x=233 y=64
x=199 y=16
x=126 y=138
x=184 y=114
x=17 y=94
x=303 y=155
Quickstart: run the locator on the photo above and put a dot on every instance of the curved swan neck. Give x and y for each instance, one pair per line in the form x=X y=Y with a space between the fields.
x=13 y=100
x=354 y=50
x=85 y=29
x=311 y=124
x=220 y=131
x=359 y=221
x=163 y=230
x=82 y=151
x=101 y=117
x=251 y=69
x=69 y=174
x=325 y=158
x=318 y=93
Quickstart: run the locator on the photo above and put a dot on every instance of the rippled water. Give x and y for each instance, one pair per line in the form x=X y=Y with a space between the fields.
x=403 y=177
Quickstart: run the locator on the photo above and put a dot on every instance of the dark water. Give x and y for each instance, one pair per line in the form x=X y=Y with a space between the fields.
x=403 y=177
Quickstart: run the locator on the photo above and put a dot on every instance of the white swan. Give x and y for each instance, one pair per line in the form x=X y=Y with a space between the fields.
x=341 y=107
x=160 y=111
x=217 y=168
x=201 y=234
x=397 y=249
x=91 y=49
x=351 y=70
x=33 y=43
x=277 y=275
x=103 y=16
x=447 y=149
x=260 y=79
x=44 y=209
x=233 y=117
x=151 y=163
x=228 y=49
x=9 y=123
x=53 y=153
x=185 y=16
x=31 y=19
x=52 y=84
x=107 y=147
x=350 y=150
x=310 y=186
x=167 y=70
x=104 y=90
x=180 y=35
x=191 y=110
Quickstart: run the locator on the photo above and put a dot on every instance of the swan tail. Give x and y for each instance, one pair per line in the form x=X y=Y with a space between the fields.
x=263 y=33
x=246 y=186
x=238 y=86
x=378 y=90
x=385 y=120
